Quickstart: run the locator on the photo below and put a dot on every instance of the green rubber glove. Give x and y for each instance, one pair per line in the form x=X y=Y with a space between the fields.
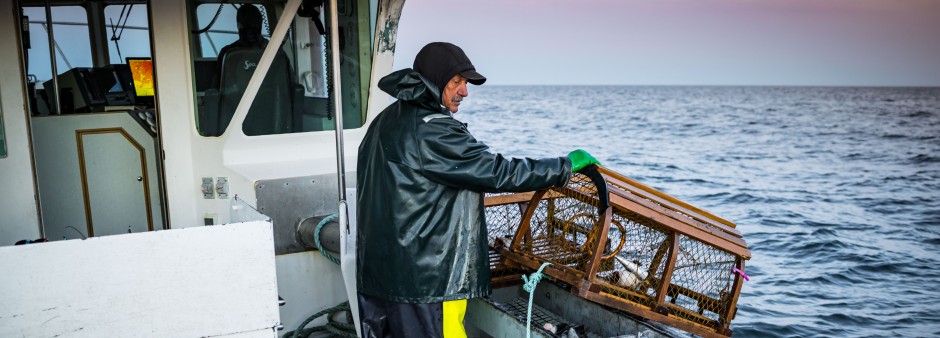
x=580 y=159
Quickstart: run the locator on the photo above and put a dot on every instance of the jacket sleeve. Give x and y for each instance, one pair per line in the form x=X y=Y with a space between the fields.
x=449 y=155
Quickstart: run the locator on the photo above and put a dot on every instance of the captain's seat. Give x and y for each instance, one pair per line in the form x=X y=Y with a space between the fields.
x=275 y=109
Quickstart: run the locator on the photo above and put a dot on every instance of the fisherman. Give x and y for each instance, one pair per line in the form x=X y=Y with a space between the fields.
x=422 y=241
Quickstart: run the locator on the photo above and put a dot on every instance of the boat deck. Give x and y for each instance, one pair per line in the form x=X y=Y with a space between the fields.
x=503 y=314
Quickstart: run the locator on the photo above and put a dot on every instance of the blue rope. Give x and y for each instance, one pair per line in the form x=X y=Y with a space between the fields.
x=316 y=238
x=529 y=287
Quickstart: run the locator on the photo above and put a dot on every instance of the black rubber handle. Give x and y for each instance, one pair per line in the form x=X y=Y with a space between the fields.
x=592 y=173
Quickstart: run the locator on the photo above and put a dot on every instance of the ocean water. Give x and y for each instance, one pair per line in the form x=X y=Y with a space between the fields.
x=836 y=190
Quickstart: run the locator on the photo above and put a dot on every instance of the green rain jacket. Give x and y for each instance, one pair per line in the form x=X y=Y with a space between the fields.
x=421 y=234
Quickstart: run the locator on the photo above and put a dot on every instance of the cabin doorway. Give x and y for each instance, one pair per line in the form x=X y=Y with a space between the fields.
x=93 y=117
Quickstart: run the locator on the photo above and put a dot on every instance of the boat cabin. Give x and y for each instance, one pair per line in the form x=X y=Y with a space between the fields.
x=118 y=115
x=132 y=116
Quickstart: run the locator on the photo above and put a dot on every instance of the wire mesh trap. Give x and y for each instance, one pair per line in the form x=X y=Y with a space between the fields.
x=623 y=245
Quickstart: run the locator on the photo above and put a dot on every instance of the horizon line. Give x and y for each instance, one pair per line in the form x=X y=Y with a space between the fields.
x=714 y=85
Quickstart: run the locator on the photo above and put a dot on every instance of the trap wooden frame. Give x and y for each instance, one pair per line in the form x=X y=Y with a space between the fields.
x=680 y=223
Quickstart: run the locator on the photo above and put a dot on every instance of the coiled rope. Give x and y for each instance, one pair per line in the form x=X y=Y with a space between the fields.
x=333 y=326
x=337 y=328
x=316 y=238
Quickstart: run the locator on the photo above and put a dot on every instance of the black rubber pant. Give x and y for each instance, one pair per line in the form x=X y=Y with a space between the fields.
x=384 y=319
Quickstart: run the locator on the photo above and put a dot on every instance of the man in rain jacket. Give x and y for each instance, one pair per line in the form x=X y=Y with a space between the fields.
x=422 y=241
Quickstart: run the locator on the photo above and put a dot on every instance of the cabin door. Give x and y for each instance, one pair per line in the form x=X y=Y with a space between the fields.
x=92 y=119
x=116 y=192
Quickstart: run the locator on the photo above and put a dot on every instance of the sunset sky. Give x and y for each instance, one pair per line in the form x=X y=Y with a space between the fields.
x=685 y=42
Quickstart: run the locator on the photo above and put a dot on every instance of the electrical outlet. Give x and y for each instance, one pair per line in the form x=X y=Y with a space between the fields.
x=221 y=187
x=208 y=190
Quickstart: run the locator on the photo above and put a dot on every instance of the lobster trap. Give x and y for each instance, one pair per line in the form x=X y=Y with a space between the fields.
x=623 y=245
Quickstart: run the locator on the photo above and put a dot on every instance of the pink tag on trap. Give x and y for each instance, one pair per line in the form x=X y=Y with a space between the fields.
x=737 y=271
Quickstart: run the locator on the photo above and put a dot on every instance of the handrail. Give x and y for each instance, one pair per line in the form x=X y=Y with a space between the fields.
x=338 y=103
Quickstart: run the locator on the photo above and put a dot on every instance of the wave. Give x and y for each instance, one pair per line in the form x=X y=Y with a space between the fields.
x=921 y=114
x=824 y=232
x=845 y=319
x=893 y=136
x=805 y=245
x=746 y=198
x=924 y=159
x=774 y=330
x=932 y=241
x=817 y=224
x=879 y=268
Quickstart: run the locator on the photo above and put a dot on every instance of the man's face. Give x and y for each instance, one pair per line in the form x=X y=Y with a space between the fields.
x=454 y=92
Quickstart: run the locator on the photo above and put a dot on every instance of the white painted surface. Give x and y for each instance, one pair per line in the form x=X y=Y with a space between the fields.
x=172 y=64
x=383 y=57
x=289 y=155
x=189 y=156
x=348 y=254
x=309 y=283
x=115 y=196
x=17 y=194
x=202 y=281
x=57 y=170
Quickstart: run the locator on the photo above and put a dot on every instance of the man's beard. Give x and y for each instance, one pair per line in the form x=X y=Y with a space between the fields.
x=457 y=98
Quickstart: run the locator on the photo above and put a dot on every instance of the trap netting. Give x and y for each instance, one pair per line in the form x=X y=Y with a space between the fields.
x=647 y=253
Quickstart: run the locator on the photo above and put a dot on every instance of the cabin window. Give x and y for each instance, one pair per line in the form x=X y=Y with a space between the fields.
x=94 y=46
x=294 y=96
x=128 y=32
x=72 y=45
x=72 y=49
x=224 y=30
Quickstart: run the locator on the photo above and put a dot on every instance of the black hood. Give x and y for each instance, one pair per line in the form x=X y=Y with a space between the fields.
x=440 y=61
x=409 y=85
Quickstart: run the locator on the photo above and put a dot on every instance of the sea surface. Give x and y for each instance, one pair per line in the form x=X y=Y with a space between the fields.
x=836 y=190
